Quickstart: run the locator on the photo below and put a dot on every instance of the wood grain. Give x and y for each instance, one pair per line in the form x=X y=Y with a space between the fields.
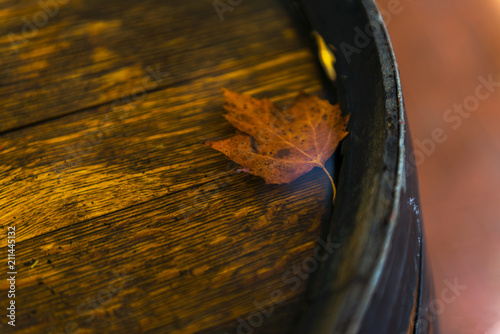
x=124 y=220
x=93 y=52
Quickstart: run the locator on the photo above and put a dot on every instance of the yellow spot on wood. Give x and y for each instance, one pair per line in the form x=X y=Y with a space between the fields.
x=39 y=65
x=200 y=270
x=241 y=213
x=218 y=240
x=123 y=74
x=102 y=54
x=34 y=264
x=47 y=247
x=97 y=27
x=39 y=51
x=168 y=274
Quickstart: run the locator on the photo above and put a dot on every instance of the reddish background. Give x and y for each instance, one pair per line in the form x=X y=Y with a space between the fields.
x=442 y=46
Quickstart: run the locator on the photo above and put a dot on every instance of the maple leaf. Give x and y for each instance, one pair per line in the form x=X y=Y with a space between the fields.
x=280 y=146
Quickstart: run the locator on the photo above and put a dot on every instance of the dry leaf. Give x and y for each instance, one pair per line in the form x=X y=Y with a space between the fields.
x=280 y=146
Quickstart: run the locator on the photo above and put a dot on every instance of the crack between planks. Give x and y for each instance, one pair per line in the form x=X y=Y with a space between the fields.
x=95 y=106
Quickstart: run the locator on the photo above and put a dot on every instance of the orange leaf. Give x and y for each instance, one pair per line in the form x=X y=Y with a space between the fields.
x=280 y=146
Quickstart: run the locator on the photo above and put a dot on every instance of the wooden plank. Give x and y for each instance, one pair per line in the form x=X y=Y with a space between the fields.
x=130 y=189
x=147 y=150
x=183 y=275
x=90 y=53
x=125 y=221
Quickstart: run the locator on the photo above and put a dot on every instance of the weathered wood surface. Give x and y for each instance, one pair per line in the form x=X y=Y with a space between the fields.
x=124 y=220
x=91 y=52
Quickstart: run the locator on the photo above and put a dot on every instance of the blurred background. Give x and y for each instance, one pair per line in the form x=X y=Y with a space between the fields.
x=449 y=59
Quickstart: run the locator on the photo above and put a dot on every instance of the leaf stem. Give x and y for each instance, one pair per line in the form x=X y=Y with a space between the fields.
x=331 y=181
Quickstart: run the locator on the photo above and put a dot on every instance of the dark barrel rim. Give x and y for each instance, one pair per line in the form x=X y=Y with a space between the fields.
x=339 y=306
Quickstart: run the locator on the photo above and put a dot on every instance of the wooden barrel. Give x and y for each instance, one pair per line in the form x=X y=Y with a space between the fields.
x=126 y=223
x=380 y=283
